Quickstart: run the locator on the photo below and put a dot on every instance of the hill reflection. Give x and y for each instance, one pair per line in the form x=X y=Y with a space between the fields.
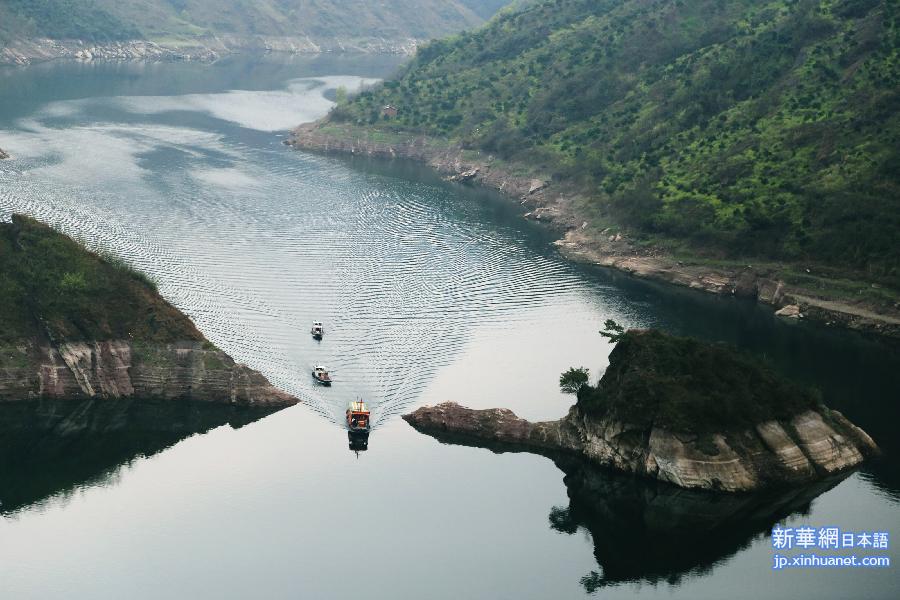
x=651 y=532
x=52 y=448
x=654 y=532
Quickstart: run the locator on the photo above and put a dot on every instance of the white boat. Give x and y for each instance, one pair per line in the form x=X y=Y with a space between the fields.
x=320 y=374
x=317 y=330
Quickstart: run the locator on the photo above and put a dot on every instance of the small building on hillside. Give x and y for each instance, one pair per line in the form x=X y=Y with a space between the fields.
x=390 y=111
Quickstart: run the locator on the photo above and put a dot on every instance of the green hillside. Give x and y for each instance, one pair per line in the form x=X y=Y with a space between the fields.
x=51 y=285
x=185 y=19
x=738 y=127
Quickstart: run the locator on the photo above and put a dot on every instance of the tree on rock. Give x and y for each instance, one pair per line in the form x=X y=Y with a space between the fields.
x=613 y=331
x=573 y=380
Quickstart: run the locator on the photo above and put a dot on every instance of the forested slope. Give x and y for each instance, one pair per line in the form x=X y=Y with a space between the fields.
x=763 y=128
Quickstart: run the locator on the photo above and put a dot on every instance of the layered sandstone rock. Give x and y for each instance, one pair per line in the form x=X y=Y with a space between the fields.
x=115 y=369
x=813 y=445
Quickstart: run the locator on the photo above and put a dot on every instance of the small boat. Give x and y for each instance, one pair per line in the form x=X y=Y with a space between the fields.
x=358 y=416
x=321 y=375
x=317 y=330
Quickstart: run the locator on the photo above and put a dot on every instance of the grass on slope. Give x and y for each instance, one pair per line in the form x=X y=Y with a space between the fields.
x=51 y=285
x=766 y=128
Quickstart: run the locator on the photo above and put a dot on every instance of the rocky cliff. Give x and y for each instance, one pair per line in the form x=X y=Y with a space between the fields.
x=203 y=49
x=813 y=445
x=115 y=369
x=74 y=325
x=736 y=428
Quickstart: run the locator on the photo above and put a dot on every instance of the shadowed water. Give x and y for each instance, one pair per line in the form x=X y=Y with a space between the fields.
x=429 y=292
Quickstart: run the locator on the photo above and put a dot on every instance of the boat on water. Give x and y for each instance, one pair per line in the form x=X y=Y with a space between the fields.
x=320 y=374
x=358 y=416
x=317 y=331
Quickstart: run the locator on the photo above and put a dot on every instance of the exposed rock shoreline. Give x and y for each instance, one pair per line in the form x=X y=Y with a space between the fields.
x=677 y=410
x=116 y=369
x=23 y=52
x=546 y=202
x=813 y=445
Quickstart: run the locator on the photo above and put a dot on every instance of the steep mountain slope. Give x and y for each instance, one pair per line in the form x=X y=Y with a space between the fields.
x=765 y=128
x=104 y=20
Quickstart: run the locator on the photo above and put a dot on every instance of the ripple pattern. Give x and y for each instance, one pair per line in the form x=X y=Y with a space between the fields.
x=254 y=242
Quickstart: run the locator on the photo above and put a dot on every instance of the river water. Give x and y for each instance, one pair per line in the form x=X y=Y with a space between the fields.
x=429 y=292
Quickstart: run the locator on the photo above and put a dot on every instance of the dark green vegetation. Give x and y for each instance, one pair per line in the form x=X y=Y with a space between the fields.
x=573 y=380
x=51 y=286
x=681 y=384
x=766 y=128
x=186 y=19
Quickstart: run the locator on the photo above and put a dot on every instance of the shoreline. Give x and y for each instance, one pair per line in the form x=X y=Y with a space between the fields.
x=205 y=49
x=551 y=203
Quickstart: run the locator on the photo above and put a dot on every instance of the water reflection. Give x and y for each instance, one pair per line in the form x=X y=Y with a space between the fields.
x=359 y=441
x=653 y=532
x=646 y=531
x=51 y=448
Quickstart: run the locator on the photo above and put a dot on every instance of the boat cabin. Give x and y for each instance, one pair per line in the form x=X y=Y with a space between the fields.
x=321 y=375
x=358 y=416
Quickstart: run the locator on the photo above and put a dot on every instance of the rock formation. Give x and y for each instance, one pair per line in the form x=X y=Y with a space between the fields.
x=656 y=413
x=3 y=154
x=112 y=369
x=74 y=325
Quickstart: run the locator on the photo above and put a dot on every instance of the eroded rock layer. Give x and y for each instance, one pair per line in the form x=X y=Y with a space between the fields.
x=813 y=445
x=112 y=369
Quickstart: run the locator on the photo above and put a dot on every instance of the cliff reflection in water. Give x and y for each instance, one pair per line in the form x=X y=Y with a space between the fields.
x=52 y=448
x=654 y=532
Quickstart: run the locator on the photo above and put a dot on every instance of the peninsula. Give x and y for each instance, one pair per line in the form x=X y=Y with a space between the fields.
x=696 y=415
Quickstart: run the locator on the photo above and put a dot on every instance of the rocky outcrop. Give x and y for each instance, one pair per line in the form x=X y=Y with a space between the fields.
x=555 y=205
x=811 y=446
x=23 y=52
x=3 y=154
x=115 y=369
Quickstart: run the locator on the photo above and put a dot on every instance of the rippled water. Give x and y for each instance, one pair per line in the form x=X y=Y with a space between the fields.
x=429 y=292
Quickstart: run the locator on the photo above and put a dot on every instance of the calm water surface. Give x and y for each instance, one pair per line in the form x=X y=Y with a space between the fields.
x=430 y=292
